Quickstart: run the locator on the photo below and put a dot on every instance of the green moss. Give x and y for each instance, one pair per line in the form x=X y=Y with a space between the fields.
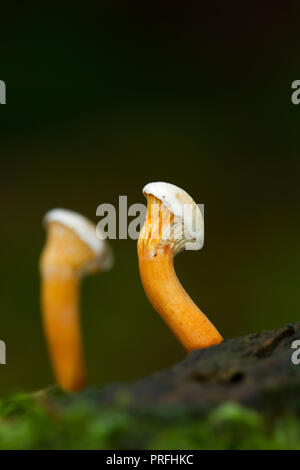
x=37 y=422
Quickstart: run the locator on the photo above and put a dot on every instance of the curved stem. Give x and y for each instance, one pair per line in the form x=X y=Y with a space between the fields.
x=168 y=297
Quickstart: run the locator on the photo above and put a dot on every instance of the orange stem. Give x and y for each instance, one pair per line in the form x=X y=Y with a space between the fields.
x=168 y=297
x=62 y=328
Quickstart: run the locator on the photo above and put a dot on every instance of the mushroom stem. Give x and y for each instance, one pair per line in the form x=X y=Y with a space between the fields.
x=60 y=299
x=171 y=301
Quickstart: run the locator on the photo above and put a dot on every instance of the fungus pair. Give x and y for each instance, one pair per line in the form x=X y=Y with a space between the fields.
x=173 y=223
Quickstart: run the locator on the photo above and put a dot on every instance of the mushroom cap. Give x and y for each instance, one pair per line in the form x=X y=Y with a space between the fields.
x=180 y=203
x=86 y=231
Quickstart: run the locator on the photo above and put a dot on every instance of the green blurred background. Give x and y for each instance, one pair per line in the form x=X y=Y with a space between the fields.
x=104 y=98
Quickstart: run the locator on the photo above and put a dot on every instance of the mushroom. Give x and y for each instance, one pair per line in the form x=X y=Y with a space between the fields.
x=173 y=223
x=72 y=250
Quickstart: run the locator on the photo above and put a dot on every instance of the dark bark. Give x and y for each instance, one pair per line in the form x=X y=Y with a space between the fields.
x=254 y=370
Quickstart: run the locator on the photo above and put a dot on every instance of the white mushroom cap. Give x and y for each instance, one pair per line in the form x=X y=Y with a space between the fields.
x=180 y=203
x=85 y=230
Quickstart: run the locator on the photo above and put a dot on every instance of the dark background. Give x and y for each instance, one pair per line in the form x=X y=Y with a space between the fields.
x=102 y=99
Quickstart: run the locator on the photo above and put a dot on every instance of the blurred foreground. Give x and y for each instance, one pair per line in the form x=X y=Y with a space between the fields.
x=241 y=394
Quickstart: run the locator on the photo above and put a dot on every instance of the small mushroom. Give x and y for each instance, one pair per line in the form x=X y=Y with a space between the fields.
x=173 y=223
x=72 y=250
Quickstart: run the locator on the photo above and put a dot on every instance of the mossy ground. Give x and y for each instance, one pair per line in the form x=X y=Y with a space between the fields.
x=33 y=422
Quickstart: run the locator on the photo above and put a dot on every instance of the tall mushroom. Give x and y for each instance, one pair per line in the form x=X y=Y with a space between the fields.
x=72 y=250
x=173 y=223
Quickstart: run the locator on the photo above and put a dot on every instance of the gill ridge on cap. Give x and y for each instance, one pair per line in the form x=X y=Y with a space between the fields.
x=85 y=229
x=174 y=198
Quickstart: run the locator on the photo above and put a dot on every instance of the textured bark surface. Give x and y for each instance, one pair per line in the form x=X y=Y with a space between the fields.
x=254 y=370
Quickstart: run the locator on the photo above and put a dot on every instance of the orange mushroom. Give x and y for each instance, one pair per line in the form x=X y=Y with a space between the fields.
x=72 y=250
x=173 y=223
